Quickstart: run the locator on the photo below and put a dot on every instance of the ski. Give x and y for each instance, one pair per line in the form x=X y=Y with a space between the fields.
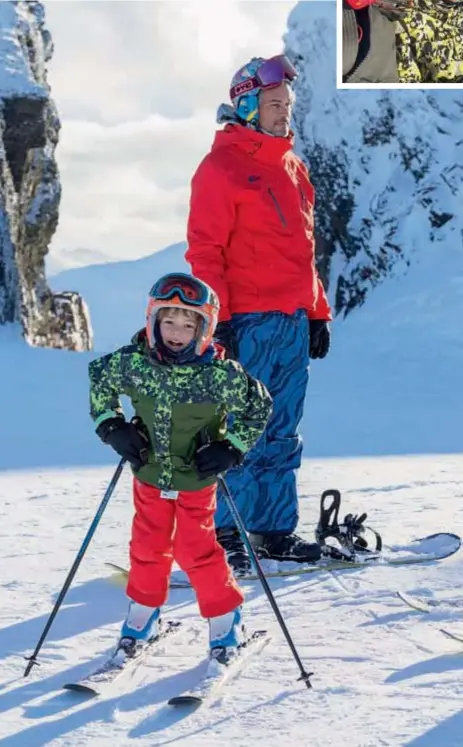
x=119 y=664
x=220 y=670
x=450 y=634
x=434 y=547
x=420 y=604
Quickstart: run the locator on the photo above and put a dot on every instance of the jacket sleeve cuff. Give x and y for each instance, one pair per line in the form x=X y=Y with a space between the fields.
x=235 y=441
x=106 y=416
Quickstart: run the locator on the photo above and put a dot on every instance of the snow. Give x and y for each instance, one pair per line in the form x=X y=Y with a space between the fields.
x=383 y=674
x=382 y=424
x=16 y=76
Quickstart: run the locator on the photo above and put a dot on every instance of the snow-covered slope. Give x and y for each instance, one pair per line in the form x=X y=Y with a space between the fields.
x=383 y=675
x=387 y=165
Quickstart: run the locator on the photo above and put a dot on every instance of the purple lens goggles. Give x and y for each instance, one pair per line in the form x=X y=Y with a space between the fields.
x=270 y=75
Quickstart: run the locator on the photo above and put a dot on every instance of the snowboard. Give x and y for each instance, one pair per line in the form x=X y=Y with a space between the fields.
x=434 y=547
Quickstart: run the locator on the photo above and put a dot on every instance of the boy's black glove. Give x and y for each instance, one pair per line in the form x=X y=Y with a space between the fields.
x=216 y=457
x=127 y=439
x=225 y=335
x=319 y=338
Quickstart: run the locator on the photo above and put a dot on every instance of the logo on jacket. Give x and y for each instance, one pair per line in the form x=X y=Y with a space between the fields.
x=253 y=178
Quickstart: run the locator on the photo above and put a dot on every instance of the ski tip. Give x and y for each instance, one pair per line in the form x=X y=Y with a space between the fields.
x=76 y=688
x=454 y=636
x=185 y=700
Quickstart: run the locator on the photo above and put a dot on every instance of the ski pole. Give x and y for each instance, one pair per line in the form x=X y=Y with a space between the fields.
x=305 y=676
x=32 y=660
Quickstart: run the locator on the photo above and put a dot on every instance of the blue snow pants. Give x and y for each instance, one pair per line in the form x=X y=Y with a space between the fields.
x=273 y=347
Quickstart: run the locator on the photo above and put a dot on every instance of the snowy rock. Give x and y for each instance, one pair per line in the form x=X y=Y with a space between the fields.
x=386 y=165
x=30 y=187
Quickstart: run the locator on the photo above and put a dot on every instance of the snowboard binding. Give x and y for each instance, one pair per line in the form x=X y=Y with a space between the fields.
x=352 y=534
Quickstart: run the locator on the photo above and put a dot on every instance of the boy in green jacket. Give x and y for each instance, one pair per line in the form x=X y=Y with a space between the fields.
x=181 y=387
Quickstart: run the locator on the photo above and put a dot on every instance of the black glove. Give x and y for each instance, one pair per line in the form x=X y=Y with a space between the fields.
x=216 y=457
x=319 y=338
x=225 y=335
x=127 y=439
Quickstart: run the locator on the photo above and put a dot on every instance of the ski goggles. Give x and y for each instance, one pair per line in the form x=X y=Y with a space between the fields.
x=270 y=74
x=191 y=292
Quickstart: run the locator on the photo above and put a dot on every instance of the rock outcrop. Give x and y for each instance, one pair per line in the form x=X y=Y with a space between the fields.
x=386 y=165
x=30 y=188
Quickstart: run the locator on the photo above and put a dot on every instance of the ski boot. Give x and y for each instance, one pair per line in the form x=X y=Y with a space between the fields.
x=226 y=635
x=285 y=547
x=351 y=534
x=235 y=550
x=141 y=626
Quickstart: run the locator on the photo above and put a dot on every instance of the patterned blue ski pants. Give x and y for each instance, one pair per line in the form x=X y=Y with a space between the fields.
x=273 y=347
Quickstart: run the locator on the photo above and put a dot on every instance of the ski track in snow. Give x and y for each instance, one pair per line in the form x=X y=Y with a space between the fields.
x=384 y=675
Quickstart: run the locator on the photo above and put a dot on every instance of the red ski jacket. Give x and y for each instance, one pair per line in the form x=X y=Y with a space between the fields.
x=250 y=227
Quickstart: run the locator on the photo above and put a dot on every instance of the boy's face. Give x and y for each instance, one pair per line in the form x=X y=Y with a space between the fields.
x=177 y=330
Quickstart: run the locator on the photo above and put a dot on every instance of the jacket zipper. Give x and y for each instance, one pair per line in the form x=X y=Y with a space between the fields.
x=277 y=207
x=304 y=198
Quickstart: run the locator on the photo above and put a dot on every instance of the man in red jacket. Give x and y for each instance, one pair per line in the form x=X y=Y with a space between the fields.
x=251 y=237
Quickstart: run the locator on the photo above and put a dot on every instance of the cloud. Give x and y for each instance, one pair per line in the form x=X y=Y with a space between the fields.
x=137 y=85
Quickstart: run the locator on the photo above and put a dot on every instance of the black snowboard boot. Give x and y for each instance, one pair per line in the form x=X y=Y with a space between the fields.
x=285 y=547
x=235 y=550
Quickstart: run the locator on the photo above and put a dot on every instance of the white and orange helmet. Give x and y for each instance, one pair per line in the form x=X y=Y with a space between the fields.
x=177 y=290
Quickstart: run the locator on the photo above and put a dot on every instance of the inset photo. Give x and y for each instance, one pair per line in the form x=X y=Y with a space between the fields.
x=395 y=43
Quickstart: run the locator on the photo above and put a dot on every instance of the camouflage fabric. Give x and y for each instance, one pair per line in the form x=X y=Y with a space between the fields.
x=175 y=403
x=429 y=42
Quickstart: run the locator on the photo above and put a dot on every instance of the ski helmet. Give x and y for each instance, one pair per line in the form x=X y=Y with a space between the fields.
x=249 y=80
x=178 y=290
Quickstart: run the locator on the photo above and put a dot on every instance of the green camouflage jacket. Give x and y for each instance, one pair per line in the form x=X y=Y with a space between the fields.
x=175 y=403
x=429 y=42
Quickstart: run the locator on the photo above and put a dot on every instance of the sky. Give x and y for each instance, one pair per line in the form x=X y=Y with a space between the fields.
x=137 y=84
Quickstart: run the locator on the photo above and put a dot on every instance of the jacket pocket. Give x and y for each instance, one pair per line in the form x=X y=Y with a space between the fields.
x=277 y=207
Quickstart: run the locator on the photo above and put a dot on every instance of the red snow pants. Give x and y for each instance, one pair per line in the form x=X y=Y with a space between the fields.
x=183 y=530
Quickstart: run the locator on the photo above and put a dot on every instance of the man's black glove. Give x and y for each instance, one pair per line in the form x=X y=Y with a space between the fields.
x=127 y=439
x=216 y=457
x=225 y=335
x=319 y=338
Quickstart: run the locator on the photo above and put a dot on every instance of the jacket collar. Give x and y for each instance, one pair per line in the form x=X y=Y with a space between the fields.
x=257 y=144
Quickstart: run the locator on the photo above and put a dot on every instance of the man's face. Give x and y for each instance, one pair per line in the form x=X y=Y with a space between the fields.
x=275 y=107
